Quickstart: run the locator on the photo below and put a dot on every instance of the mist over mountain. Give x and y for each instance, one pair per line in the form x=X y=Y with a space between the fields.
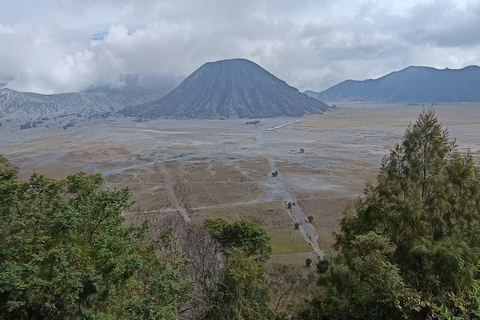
x=412 y=84
x=236 y=88
x=136 y=88
x=128 y=89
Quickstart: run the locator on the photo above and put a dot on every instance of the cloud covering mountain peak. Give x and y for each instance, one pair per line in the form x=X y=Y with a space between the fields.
x=52 y=46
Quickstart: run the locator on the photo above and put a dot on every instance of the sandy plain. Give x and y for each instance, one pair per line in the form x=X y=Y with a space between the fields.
x=204 y=169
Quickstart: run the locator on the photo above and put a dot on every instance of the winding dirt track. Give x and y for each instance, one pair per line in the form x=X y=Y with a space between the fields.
x=274 y=187
x=279 y=186
x=173 y=198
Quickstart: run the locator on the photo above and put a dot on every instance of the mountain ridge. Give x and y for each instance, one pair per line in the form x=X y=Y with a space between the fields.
x=412 y=84
x=128 y=89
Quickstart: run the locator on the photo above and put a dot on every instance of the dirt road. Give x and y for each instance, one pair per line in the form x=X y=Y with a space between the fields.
x=173 y=198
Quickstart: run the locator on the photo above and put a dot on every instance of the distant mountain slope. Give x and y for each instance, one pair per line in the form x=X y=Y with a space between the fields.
x=129 y=89
x=14 y=104
x=413 y=84
x=235 y=88
x=136 y=88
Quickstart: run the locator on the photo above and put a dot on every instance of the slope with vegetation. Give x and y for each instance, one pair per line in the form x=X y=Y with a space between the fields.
x=409 y=250
x=64 y=254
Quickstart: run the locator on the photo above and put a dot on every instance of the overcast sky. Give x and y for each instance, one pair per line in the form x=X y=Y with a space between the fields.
x=64 y=45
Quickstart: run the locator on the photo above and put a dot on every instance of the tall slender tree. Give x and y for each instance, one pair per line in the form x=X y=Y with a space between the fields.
x=243 y=291
x=415 y=235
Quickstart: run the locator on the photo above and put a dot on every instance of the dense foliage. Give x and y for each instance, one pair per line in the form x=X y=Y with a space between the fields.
x=409 y=250
x=242 y=234
x=243 y=291
x=413 y=243
x=64 y=254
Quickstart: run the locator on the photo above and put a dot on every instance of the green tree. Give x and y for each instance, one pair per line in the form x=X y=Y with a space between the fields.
x=65 y=254
x=308 y=262
x=413 y=241
x=314 y=308
x=242 y=234
x=310 y=219
x=8 y=171
x=243 y=291
x=322 y=265
x=297 y=225
x=363 y=284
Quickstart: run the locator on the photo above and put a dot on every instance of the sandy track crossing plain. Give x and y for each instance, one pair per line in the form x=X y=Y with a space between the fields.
x=204 y=169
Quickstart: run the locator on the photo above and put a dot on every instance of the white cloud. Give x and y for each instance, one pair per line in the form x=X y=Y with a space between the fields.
x=6 y=29
x=311 y=44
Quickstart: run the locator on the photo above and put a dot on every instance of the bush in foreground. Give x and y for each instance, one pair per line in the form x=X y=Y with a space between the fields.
x=64 y=253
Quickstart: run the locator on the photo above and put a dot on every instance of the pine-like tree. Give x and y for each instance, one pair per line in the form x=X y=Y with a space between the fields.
x=425 y=213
